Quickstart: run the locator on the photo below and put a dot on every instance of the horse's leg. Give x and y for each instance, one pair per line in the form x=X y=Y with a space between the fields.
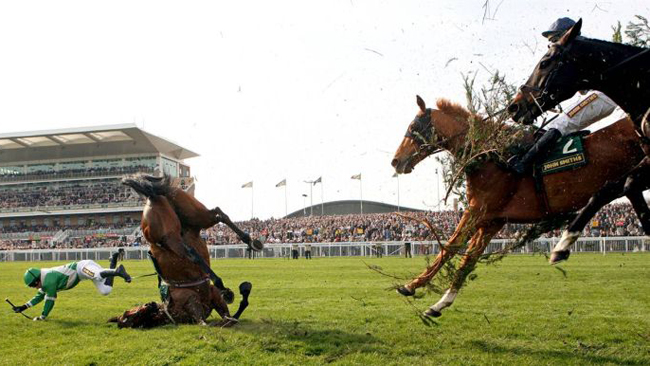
x=447 y=252
x=176 y=244
x=476 y=247
x=217 y=302
x=195 y=257
x=222 y=217
x=245 y=291
x=636 y=183
x=608 y=193
x=641 y=208
x=222 y=308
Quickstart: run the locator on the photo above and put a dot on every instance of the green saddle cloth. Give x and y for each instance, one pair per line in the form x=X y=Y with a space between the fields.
x=568 y=154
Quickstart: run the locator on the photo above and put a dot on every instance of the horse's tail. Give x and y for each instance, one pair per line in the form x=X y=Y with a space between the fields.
x=148 y=185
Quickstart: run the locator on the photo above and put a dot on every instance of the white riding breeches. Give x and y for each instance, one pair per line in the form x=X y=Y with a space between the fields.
x=90 y=270
x=591 y=108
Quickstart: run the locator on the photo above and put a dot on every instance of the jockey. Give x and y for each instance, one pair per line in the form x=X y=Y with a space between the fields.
x=51 y=280
x=591 y=107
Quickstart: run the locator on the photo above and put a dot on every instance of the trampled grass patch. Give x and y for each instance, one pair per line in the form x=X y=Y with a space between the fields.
x=336 y=310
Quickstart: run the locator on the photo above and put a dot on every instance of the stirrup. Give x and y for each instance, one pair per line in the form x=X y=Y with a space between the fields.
x=515 y=165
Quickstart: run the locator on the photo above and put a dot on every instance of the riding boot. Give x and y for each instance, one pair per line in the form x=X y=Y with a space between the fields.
x=112 y=264
x=119 y=272
x=521 y=165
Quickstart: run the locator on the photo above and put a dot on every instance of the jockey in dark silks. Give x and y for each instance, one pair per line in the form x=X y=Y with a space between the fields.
x=590 y=108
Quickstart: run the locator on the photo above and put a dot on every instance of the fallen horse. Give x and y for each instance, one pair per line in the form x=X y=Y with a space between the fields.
x=182 y=262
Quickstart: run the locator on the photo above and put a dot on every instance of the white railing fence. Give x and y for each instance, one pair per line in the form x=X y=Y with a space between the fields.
x=347 y=249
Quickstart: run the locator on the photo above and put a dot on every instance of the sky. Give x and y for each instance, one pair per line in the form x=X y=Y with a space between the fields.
x=273 y=90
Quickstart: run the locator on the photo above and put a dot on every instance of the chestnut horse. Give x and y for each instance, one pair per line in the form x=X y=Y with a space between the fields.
x=620 y=71
x=192 y=213
x=181 y=259
x=496 y=195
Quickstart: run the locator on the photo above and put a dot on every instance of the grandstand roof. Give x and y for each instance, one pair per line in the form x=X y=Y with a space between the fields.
x=349 y=207
x=86 y=142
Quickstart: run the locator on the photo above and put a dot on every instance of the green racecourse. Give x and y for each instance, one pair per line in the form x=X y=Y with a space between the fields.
x=520 y=311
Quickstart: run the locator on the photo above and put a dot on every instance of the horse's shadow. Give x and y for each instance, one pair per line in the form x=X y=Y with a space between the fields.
x=582 y=354
x=331 y=343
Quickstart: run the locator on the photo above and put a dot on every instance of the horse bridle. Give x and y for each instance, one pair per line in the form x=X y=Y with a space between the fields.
x=422 y=131
x=544 y=90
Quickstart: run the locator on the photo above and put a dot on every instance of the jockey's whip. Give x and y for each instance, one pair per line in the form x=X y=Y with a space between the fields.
x=14 y=306
x=147 y=275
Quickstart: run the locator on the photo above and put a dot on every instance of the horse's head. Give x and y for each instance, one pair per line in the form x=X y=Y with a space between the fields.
x=557 y=76
x=419 y=141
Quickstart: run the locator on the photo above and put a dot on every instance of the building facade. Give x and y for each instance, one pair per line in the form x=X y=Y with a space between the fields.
x=65 y=181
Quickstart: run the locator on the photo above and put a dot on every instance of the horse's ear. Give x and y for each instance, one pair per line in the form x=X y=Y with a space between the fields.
x=571 y=34
x=421 y=104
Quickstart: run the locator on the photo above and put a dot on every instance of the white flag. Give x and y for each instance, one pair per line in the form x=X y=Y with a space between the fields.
x=356 y=176
x=282 y=183
x=248 y=185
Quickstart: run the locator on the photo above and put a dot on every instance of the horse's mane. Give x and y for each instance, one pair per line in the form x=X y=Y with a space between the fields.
x=454 y=109
x=628 y=47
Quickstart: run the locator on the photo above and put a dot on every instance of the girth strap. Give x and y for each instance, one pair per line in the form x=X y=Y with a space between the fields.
x=187 y=284
x=540 y=189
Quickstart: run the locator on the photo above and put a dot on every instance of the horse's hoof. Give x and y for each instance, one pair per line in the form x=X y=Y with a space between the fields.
x=559 y=256
x=245 y=288
x=432 y=313
x=256 y=245
x=404 y=291
x=228 y=295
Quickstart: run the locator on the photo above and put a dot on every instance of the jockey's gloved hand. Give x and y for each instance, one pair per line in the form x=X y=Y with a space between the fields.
x=39 y=318
x=19 y=309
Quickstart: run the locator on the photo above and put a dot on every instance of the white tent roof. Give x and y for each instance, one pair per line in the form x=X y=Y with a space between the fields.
x=86 y=142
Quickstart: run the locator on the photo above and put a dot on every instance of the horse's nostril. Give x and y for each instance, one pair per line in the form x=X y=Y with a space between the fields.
x=513 y=108
x=394 y=163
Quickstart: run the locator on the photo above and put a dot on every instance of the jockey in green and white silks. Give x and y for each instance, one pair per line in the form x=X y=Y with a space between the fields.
x=50 y=281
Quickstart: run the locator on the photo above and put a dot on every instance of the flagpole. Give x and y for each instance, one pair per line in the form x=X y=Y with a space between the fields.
x=285 y=201
x=322 y=207
x=252 y=202
x=311 y=199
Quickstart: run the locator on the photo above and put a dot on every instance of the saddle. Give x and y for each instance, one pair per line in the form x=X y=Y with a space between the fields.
x=567 y=154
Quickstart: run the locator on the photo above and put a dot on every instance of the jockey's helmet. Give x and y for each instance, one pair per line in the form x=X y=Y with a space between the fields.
x=31 y=275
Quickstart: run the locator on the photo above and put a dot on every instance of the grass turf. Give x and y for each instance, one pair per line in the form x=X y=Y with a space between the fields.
x=519 y=311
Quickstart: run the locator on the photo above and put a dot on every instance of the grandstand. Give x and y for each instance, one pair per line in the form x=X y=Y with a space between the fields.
x=63 y=186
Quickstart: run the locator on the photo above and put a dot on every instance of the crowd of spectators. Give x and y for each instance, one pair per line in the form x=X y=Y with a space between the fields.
x=612 y=220
x=74 y=243
x=68 y=193
x=74 y=173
